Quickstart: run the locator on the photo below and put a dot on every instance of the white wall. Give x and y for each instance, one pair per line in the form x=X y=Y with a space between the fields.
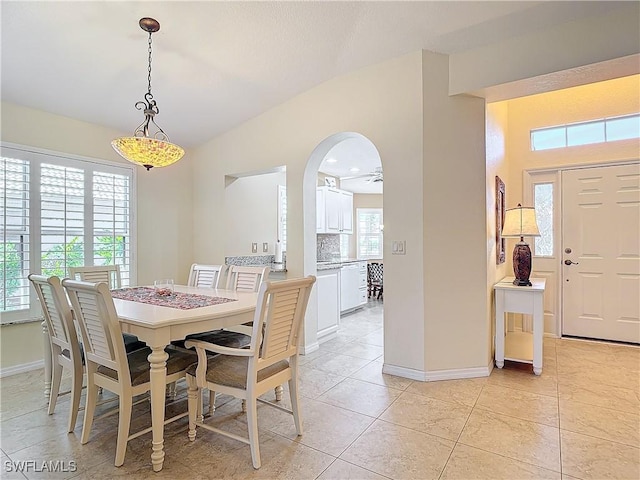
x=497 y=117
x=564 y=56
x=251 y=213
x=382 y=102
x=456 y=327
x=163 y=224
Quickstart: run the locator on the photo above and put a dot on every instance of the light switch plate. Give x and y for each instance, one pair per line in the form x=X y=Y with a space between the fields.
x=265 y=247
x=254 y=248
x=399 y=247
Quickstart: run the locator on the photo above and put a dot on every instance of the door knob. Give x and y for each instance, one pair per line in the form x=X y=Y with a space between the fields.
x=569 y=262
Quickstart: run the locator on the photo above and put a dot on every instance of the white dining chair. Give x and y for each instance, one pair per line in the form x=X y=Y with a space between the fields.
x=101 y=273
x=207 y=276
x=63 y=338
x=110 y=274
x=107 y=363
x=270 y=360
x=246 y=278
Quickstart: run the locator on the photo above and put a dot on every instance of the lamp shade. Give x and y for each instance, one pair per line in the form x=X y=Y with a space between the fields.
x=520 y=222
x=148 y=152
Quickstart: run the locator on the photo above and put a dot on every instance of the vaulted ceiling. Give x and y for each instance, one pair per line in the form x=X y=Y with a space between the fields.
x=218 y=64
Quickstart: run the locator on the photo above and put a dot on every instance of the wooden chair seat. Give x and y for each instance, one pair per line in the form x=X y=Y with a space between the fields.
x=139 y=365
x=232 y=371
x=224 y=338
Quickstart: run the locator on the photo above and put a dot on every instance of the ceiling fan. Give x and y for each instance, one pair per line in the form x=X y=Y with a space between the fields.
x=372 y=177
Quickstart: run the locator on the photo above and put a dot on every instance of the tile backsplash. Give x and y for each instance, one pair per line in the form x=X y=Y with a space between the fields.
x=247 y=260
x=328 y=247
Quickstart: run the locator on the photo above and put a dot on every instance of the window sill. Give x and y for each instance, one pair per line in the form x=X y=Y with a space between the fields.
x=22 y=321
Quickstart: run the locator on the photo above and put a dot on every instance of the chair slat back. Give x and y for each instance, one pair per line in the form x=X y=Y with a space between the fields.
x=375 y=271
x=96 y=314
x=281 y=308
x=103 y=273
x=246 y=279
x=206 y=276
x=56 y=312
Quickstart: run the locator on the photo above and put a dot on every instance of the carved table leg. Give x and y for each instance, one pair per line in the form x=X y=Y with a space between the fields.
x=158 y=375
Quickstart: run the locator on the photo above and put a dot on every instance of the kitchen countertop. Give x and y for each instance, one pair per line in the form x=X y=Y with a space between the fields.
x=336 y=263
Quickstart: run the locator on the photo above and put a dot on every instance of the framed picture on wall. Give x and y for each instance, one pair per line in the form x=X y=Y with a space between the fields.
x=500 y=206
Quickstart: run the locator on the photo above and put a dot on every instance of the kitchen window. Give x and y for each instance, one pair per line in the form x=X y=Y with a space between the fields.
x=370 y=236
x=59 y=212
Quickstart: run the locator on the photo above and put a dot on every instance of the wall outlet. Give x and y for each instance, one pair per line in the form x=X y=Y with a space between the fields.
x=399 y=247
x=254 y=248
x=265 y=247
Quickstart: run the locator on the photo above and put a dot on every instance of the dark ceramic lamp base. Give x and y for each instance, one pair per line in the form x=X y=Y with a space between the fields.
x=522 y=264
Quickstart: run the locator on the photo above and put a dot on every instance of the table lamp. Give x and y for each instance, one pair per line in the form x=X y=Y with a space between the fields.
x=521 y=222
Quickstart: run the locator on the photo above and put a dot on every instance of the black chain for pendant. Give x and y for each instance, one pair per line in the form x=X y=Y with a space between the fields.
x=149 y=69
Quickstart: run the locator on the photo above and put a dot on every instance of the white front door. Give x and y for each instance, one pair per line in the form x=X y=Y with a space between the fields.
x=601 y=243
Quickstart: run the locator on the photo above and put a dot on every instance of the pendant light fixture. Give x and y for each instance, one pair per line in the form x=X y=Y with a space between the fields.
x=149 y=149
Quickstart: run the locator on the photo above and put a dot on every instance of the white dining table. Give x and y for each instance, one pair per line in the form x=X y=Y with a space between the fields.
x=157 y=326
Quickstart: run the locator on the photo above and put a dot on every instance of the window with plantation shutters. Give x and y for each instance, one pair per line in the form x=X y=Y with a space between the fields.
x=59 y=212
x=369 y=231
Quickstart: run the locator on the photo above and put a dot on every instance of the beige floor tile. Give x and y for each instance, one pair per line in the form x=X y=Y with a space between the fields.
x=372 y=373
x=322 y=352
x=338 y=364
x=337 y=344
x=598 y=394
x=428 y=415
x=521 y=440
x=607 y=423
x=66 y=449
x=399 y=452
x=374 y=338
x=362 y=350
x=471 y=463
x=519 y=404
x=171 y=471
x=313 y=382
x=545 y=384
x=31 y=428
x=601 y=374
x=9 y=470
x=282 y=459
x=339 y=470
x=361 y=397
x=464 y=391
x=325 y=427
x=592 y=458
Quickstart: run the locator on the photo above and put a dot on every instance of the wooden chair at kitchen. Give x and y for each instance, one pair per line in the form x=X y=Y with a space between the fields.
x=107 y=363
x=63 y=338
x=110 y=274
x=270 y=360
x=375 y=277
x=245 y=279
x=207 y=276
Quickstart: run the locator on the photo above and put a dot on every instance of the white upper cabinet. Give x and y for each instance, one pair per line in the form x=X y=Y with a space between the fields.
x=334 y=211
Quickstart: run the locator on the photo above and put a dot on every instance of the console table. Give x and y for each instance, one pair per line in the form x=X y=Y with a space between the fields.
x=520 y=346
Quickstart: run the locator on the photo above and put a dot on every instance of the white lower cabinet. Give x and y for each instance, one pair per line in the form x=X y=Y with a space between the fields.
x=328 y=282
x=353 y=286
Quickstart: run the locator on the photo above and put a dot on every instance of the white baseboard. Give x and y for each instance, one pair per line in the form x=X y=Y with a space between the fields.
x=436 y=375
x=306 y=349
x=25 y=367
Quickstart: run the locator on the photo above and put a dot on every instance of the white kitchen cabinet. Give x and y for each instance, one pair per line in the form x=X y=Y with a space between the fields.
x=334 y=211
x=328 y=284
x=353 y=286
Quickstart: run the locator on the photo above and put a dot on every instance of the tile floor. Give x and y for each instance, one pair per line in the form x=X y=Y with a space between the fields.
x=579 y=419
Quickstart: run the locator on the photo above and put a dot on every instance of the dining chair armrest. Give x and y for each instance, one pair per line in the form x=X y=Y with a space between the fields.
x=212 y=347
x=244 y=329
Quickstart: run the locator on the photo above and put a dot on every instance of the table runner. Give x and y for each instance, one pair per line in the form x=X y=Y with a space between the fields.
x=183 y=301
